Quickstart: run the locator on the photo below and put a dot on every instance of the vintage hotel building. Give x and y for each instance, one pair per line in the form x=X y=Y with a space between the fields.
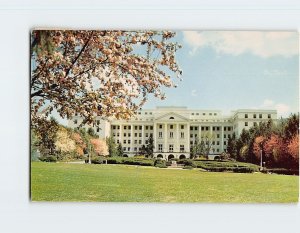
x=175 y=129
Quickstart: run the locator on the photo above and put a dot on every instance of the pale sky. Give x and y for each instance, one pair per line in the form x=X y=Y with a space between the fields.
x=229 y=70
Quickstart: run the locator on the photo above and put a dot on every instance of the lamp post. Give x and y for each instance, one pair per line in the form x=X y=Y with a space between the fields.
x=261 y=163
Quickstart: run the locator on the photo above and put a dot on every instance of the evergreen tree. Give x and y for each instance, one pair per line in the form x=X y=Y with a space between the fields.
x=112 y=147
x=150 y=147
x=120 y=150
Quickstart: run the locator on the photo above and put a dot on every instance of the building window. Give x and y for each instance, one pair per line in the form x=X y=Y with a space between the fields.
x=197 y=114
x=135 y=127
x=140 y=141
x=129 y=141
x=246 y=123
x=260 y=116
x=129 y=134
x=147 y=135
x=254 y=123
x=210 y=113
x=125 y=127
x=224 y=135
x=213 y=128
x=171 y=135
x=181 y=148
x=254 y=115
x=215 y=114
x=129 y=127
x=135 y=141
x=114 y=127
x=218 y=143
x=140 y=127
x=171 y=126
x=160 y=134
x=124 y=141
x=191 y=135
x=151 y=127
x=124 y=134
x=224 y=143
x=246 y=115
x=146 y=127
x=171 y=147
x=118 y=134
x=202 y=128
x=135 y=134
x=124 y=148
x=182 y=135
x=118 y=141
x=140 y=134
x=224 y=128
x=192 y=114
x=181 y=126
x=160 y=146
x=151 y=135
x=213 y=142
x=135 y=148
x=269 y=116
x=128 y=148
x=98 y=130
x=218 y=135
x=98 y=122
x=196 y=128
x=160 y=126
x=191 y=128
x=218 y=128
x=206 y=128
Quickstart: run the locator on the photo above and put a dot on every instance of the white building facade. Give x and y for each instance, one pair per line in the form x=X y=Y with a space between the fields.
x=175 y=129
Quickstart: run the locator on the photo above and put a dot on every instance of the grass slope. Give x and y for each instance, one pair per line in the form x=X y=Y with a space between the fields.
x=124 y=183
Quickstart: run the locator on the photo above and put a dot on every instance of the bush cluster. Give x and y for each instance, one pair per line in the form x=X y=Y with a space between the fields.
x=160 y=163
x=130 y=161
x=50 y=158
x=282 y=171
x=222 y=166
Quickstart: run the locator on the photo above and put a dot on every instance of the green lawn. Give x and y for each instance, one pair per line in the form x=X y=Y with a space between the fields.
x=124 y=183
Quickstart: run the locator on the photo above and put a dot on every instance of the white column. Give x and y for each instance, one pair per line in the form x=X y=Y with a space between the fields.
x=165 y=137
x=154 y=136
x=143 y=135
x=199 y=133
x=222 y=138
x=131 y=138
x=188 y=137
x=120 y=136
x=177 y=138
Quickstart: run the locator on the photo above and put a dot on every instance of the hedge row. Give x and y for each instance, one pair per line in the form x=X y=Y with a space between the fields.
x=123 y=160
x=282 y=171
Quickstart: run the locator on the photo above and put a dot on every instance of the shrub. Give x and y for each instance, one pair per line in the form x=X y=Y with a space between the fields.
x=188 y=167
x=161 y=165
x=50 y=158
x=168 y=163
x=97 y=160
x=282 y=171
x=187 y=162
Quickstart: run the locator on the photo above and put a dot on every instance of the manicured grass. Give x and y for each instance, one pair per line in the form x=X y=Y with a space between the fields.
x=125 y=183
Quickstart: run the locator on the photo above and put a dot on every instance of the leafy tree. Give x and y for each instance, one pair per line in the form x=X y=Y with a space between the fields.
x=46 y=136
x=232 y=146
x=92 y=132
x=292 y=127
x=143 y=150
x=120 y=150
x=208 y=139
x=99 y=73
x=293 y=149
x=100 y=146
x=64 y=144
x=112 y=147
x=150 y=146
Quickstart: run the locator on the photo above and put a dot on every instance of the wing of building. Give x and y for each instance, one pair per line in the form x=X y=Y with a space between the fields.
x=175 y=129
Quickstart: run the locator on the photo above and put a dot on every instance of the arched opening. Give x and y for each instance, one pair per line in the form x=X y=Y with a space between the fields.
x=217 y=158
x=182 y=157
x=125 y=155
x=160 y=156
x=171 y=118
x=171 y=157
